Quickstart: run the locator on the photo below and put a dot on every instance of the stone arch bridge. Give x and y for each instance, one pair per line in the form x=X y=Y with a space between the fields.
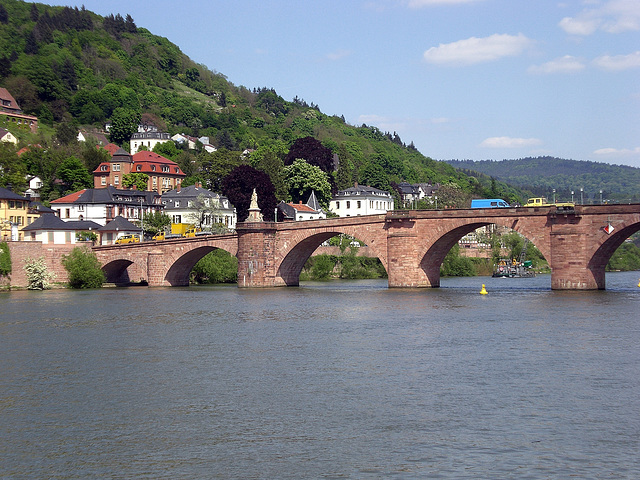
x=410 y=244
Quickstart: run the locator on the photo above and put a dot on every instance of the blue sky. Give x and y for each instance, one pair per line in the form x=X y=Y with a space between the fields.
x=462 y=79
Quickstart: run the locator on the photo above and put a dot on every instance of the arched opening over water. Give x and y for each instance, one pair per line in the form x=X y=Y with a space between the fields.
x=514 y=264
x=296 y=258
x=608 y=248
x=179 y=272
x=117 y=272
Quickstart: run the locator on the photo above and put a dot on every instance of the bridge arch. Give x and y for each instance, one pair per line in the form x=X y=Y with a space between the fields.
x=605 y=246
x=301 y=245
x=440 y=242
x=117 y=271
x=179 y=268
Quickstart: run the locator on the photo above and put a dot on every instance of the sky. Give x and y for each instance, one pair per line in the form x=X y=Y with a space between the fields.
x=461 y=79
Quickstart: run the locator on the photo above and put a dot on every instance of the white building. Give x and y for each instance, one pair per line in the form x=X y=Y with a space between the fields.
x=361 y=200
x=301 y=211
x=199 y=206
x=148 y=139
x=49 y=229
x=102 y=205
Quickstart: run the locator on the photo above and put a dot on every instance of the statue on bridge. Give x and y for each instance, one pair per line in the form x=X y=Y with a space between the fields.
x=254 y=210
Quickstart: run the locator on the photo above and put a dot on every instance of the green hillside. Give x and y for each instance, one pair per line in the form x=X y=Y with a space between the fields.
x=75 y=69
x=541 y=175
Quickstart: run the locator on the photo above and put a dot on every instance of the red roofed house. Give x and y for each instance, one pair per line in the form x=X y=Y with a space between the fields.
x=164 y=174
x=301 y=211
x=12 y=112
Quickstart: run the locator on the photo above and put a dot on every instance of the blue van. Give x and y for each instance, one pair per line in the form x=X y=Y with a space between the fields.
x=489 y=203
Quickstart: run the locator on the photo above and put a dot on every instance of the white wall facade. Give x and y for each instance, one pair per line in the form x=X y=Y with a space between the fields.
x=361 y=204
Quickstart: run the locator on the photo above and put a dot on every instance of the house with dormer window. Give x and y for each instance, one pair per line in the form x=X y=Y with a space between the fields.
x=164 y=174
x=361 y=200
x=102 y=205
x=199 y=206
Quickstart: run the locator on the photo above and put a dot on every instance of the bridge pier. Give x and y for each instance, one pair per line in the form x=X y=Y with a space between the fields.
x=257 y=255
x=402 y=254
x=571 y=265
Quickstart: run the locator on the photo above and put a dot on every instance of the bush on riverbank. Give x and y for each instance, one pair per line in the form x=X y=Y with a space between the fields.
x=83 y=268
x=346 y=266
x=5 y=259
x=38 y=275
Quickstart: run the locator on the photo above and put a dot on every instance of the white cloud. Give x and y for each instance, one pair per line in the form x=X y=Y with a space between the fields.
x=338 y=55
x=509 y=142
x=478 y=50
x=618 y=62
x=617 y=152
x=566 y=64
x=614 y=16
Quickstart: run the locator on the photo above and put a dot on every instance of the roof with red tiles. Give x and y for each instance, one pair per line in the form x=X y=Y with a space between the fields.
x=69 y=198
x=300 y=207
x=111 y=148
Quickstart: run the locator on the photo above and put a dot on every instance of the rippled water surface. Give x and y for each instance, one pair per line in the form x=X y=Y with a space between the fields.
x=329 y=380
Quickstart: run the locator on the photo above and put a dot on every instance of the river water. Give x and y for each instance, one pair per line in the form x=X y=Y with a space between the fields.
x=338 y=380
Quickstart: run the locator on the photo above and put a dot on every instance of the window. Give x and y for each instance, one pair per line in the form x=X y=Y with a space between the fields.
x=67 y=212
x=155 y=181
x=116 y=179
x=116 y=167
x=67 y=237
x=348 y=204
x=177 y=219
x=359 y=206
x=177 y=204
x=337 y=205
x=81 y=208
x=139 y=167
x=165 y=168
x=153 y=168
x=50 y=237
x=103 y=180
x=104 y=168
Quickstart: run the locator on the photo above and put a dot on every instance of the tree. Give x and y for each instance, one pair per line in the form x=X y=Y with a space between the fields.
x=66 y=133
x=313 y=152
x=4 y=15
x=38 y=275
x=124 y=122
x=5 y=259
x=302 y=179
x=74 y=175
x=374 y=176
x=266 y=158
x=92 y=156
x=140 y=180
x=216 y=166
x=83 y=268
x=12 y=168
x=238 y=187
x=203 y=207
x=155 y=222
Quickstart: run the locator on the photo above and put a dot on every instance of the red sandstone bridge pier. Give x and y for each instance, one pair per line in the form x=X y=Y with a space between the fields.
x=410 y=244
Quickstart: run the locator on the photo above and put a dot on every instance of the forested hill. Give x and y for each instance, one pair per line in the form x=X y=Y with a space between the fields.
x=75 y=70
x=541 y=175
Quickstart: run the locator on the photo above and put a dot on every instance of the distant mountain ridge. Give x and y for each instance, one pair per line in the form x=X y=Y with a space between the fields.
x=540 y=175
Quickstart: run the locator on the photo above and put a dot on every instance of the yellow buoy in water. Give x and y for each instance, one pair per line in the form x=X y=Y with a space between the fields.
x=483 y=291
x=639 y=283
